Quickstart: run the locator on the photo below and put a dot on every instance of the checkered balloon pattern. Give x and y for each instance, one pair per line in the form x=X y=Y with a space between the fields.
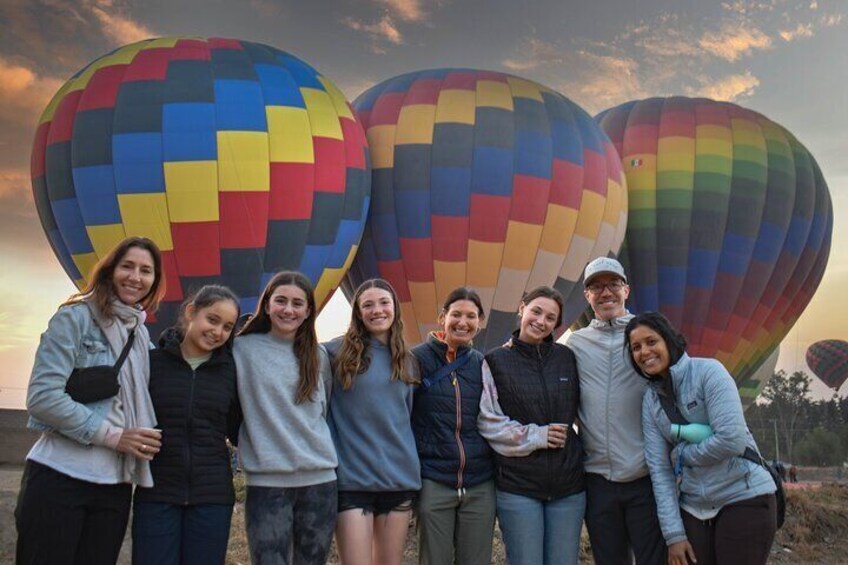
x=486 y=180
x=828 y=359
x=729 y=227
x=236 y=158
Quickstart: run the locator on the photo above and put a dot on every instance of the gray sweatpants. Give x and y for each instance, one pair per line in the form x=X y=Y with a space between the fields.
x=456 y=525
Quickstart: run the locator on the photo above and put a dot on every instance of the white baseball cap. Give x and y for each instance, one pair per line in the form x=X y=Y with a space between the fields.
x=602 y=266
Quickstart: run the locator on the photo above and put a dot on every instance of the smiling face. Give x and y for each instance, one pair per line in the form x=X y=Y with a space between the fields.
x=208 y=328
x=649 y=351
x=538 y=319
x=133 y=276
x=287 y=308
x=460 y=322
x=377 y=311
x=607 y=303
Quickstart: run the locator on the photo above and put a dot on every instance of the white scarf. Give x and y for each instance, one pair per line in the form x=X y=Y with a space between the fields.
x=134 y=379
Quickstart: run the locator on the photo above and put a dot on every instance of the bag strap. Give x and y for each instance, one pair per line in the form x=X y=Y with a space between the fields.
x=125 y=351
x=446 y=370
x=667 y=401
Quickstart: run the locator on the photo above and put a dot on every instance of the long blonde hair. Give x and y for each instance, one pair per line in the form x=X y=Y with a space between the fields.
x=353 y=358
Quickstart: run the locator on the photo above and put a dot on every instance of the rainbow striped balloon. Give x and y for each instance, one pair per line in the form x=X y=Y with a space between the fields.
x=729 y=226
x=487 y=180
x=236 y=158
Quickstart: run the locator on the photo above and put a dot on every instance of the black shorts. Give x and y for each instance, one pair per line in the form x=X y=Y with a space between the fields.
x=378 y=503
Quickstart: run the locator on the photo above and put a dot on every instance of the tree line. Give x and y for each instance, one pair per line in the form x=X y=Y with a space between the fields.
x=788 y=425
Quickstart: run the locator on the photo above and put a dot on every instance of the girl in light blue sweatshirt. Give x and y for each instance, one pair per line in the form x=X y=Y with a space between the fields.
x=379 y=472
x=284 y=444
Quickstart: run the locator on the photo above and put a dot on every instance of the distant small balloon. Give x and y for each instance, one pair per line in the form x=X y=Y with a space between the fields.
x=236 y=158
x=828 y=359
x=487 y=180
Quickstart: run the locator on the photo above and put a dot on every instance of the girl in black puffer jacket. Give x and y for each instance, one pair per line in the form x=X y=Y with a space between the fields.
x=185 y=517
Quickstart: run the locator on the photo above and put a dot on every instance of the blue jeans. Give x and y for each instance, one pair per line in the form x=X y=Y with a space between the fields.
x=539 y=532
x=168 y=534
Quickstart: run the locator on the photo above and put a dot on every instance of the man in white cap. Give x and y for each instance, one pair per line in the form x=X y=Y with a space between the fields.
x=621 y=513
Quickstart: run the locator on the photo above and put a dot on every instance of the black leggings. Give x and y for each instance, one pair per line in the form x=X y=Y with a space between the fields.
x=741 y=533
x=65 y=520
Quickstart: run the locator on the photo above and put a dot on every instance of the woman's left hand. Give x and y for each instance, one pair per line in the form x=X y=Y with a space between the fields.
x=143 y=443
x=681 y=553
x=556 y=436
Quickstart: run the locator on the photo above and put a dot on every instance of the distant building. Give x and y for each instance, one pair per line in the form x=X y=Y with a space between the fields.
x=15 y=439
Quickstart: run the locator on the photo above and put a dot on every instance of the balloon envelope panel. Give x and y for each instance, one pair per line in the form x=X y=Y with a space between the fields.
x=486 y=180
x=828 y=359
x=236 y=158
x=729 y=226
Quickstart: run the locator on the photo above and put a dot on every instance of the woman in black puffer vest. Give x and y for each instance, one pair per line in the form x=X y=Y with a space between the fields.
x=185 y=517
x=456 y=509
x=527 y=412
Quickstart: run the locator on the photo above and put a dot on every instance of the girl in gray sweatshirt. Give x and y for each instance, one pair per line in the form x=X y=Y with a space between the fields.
x=285 y=446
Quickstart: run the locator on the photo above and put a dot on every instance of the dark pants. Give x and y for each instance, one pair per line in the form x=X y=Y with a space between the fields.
x=741 y=533
x=290 y=525
x=167 y=534
x=65 y=520
x=621 y=517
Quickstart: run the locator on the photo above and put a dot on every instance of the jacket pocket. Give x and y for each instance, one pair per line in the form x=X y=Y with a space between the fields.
x=93 y=352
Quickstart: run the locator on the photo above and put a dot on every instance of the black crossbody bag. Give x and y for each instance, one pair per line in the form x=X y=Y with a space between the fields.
x=671 y=410
x=90 y=384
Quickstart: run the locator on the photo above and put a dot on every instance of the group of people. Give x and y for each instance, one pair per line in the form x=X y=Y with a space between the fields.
x=618 y=427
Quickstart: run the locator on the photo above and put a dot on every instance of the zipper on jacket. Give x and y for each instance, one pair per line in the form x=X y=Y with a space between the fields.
x=457 y=433
x=187 y=452
x=548 y=454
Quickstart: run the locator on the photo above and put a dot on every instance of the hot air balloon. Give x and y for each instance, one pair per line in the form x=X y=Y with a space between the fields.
x=828 y=359
x=729 y=227
x=487 y=180
x=236 y=158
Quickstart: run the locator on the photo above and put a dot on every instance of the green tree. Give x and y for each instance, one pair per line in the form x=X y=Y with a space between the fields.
x=821 y=448
x=788 y=404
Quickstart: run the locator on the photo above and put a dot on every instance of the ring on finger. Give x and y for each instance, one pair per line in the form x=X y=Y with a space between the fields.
x=143 y=448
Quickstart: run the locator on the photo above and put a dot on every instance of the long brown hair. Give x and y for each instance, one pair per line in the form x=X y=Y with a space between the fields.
x=353 y=358
x=100 y=287
x=305 y=338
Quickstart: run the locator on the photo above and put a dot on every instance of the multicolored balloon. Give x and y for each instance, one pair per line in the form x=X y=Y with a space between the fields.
x=828 y=359
x=236 y=158
x=729 y=227
x=482 y=179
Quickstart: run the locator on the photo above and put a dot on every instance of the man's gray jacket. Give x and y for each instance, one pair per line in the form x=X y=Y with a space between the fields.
x=610 y=409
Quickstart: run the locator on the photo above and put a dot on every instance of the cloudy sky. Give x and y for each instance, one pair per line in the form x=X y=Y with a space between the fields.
x=784 y=58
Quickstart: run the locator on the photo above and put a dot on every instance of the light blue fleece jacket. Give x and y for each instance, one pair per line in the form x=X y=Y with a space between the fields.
x=371 y=428
x=281 y=443
x=713 y=473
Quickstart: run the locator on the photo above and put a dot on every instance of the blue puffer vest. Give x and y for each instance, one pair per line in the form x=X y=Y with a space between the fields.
x=444 y=420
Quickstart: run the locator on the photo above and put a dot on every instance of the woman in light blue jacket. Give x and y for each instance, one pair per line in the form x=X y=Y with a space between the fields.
x=97 y=441
x=724 y=510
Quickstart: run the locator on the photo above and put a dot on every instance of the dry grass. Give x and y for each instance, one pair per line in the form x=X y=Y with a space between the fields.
x=816 y=526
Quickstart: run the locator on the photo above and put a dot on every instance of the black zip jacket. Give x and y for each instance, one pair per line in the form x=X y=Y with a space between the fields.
x=444 y=419
x=196 y=410
x=538 y=384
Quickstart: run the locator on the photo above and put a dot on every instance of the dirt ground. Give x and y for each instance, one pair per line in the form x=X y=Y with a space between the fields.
x=816 y=529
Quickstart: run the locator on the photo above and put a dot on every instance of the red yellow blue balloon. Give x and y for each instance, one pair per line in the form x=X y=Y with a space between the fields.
x=236 y=158
x=488 y=180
